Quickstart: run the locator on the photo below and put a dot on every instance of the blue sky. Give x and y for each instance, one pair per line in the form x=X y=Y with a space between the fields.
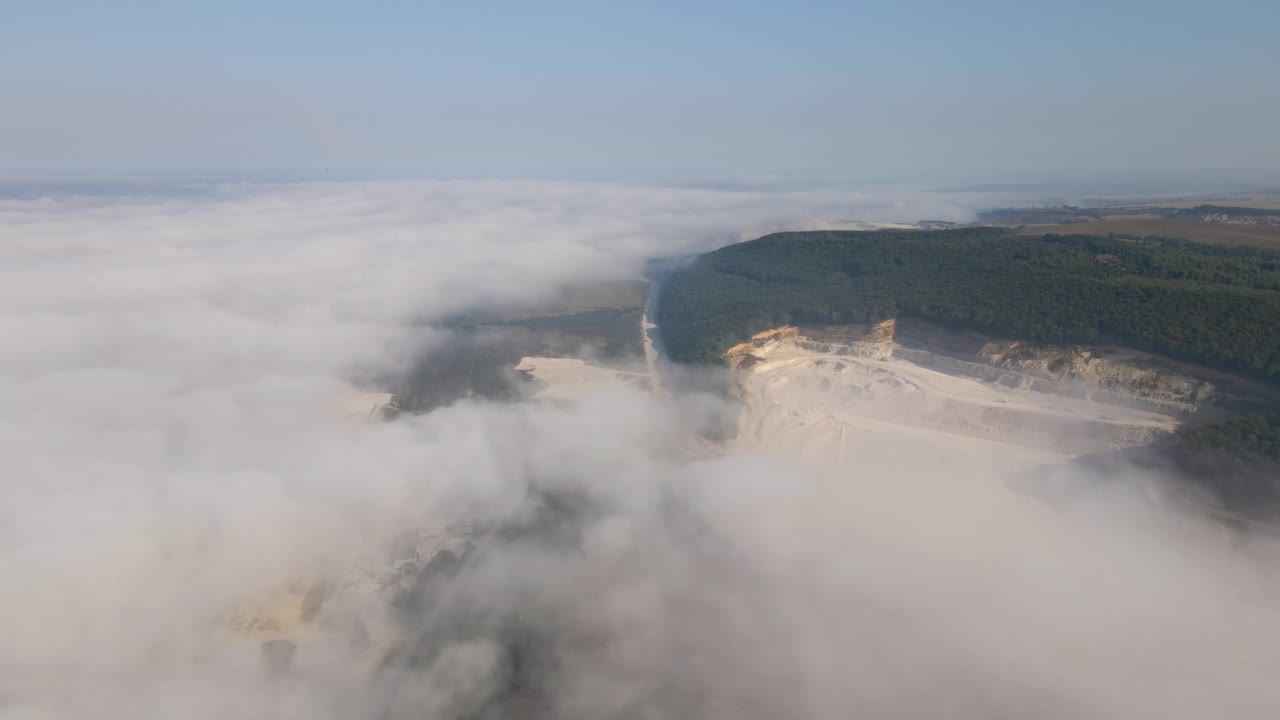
x=655 y=89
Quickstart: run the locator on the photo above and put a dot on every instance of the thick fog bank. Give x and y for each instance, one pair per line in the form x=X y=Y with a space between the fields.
x=170 y=456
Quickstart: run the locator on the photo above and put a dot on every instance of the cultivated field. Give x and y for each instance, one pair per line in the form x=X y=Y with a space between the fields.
x=1267 y=236
x=1261 y=202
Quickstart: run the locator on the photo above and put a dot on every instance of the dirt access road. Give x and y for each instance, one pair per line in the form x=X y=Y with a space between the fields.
x=655 y=356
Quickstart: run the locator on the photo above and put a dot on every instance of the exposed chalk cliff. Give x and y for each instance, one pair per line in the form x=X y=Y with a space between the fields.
x=912 y=374
x=1101 y=373
x=822 y=395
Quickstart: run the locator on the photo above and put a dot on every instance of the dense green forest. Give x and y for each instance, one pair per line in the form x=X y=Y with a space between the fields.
x=1210 y=304
x=1257 y=435
x=1237 y=461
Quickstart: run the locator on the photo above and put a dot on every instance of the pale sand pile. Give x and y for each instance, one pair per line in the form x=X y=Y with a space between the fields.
x=574 y=379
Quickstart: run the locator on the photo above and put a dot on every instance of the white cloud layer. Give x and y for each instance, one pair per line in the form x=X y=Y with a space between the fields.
x=168 y=451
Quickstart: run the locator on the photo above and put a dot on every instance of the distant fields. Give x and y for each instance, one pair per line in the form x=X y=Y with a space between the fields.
x=1264 y=236
x=1260 y=203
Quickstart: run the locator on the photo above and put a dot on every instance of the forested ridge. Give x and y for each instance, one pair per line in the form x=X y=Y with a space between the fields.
x=1237 y=460
x=1210 y=304
x=1254 y=434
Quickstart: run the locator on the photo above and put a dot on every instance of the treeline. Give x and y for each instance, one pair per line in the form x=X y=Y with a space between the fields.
x=1237 y=461
x=1209 y=304
x=1040 y=215
x=1257 y=435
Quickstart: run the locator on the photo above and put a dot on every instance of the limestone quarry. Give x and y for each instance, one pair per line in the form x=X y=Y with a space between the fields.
x=820 y=390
